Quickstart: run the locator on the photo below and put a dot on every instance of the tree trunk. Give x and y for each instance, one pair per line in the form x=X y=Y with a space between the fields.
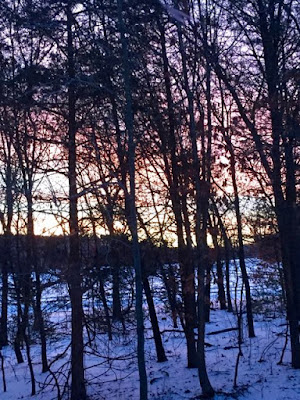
x=131 y=207
x=27 y=286
x=220 y=279
x=227 y=266
x=226 y=256
x=207 y=288
x=160 y=351
x=170 y=286
x=220 y=276
x=173 y=176
x=202 y=196
x=289 y=238
x=7 y=262
x=3 y=328
x=32 y=264
x=115 y=265
x=188 y=295
x=18 y=337
x=240 y=240
x=41 y=325
x=106 y=310
x=78 y=391
x=17 y=346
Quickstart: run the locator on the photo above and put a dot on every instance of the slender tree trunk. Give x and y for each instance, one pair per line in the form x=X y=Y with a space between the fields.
x=18 y=337
x=17 y=346
x=4 y=305
x=4 y=296
x=220 y=276
x=188 y=294
x=78 y=391
x=170 y=286
x=227 y=269
x=202 y=196
x=106 y=309
x=41 y=325
x=207 y=288
x=32 y=262
x=131 y=207
x=184 y=253
x=27 y=286
x=101 y=285
x=3 y=372
x=241 y=244
x=29 y=361
x=220 y=279
x=7 y=262
x=23 y=315
x=227 y=247
x=117 y=310
x=160 y=351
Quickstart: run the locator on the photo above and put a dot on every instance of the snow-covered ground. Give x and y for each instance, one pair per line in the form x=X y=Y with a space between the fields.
x=111 y=366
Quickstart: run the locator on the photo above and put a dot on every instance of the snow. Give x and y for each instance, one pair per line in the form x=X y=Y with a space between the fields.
x=111 y=367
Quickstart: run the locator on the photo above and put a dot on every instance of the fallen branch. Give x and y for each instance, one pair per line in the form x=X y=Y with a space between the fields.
x=172 y=331
x=223 y=331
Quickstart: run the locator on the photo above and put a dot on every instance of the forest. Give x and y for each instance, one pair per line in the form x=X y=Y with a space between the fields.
x=150 y=202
